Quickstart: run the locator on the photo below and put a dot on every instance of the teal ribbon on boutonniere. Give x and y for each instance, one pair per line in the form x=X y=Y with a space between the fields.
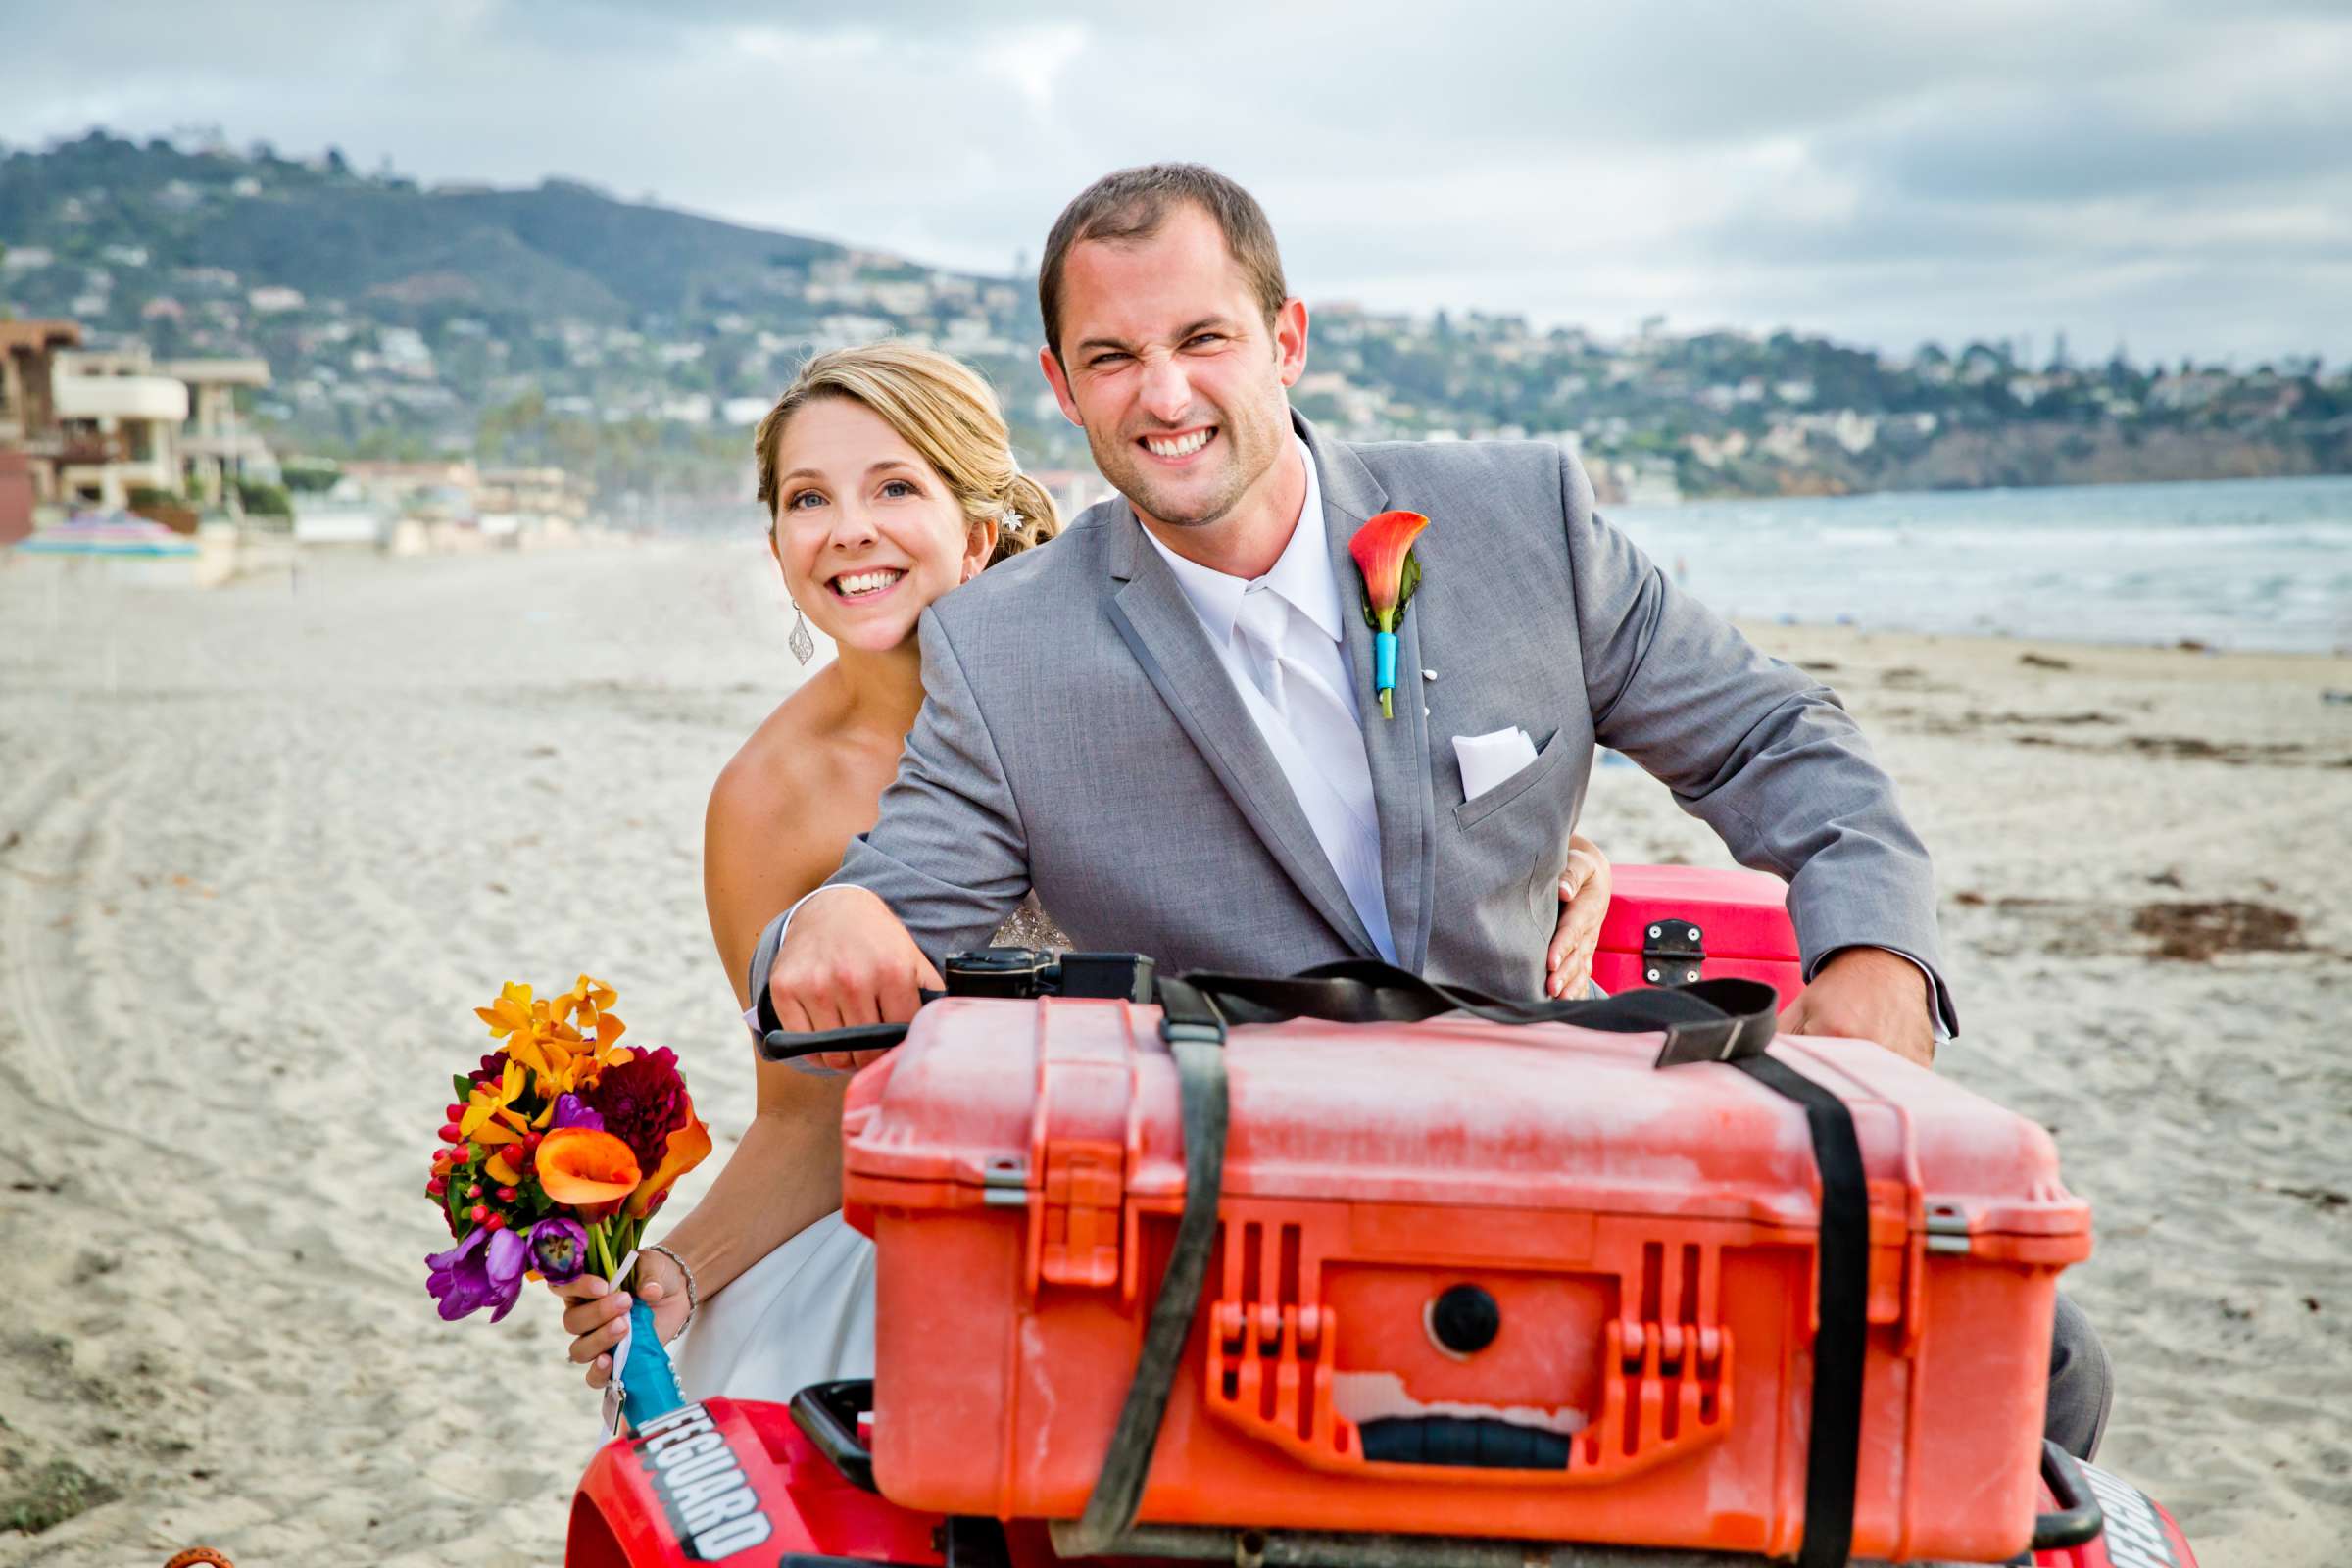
x=1384 y=553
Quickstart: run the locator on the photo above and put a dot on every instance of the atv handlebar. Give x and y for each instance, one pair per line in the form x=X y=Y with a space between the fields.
x=984 y=972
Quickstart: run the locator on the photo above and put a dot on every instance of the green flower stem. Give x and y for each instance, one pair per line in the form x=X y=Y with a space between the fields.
x=599 y=1250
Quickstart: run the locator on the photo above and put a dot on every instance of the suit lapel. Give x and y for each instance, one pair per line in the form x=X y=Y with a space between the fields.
x=1158 y=627
x=1397 y=749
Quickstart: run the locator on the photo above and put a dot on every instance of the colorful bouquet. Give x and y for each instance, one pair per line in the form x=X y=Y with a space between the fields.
x=560 y=1146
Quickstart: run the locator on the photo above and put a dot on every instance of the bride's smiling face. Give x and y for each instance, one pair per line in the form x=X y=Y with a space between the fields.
x=866 y=531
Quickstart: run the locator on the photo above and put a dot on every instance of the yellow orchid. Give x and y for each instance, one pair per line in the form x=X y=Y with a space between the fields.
x=564 y=1042
x=510 y=1011
x=548 y=1058
x=567 y=1066
x=488 y=1099
x=505 y=1127
x=586 y=1001
x=580 y=1012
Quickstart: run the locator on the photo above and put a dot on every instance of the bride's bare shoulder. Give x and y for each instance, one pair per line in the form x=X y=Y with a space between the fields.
x=791 y=756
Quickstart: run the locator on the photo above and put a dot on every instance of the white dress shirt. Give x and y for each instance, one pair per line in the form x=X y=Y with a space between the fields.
x=1278 y=637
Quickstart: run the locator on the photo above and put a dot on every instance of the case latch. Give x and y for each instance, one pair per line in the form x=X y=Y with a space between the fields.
x=1673 y=951
x=1080 y=1213
x=1083 y=1133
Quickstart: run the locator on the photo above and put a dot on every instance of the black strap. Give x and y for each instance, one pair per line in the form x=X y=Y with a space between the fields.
x=1713 y=1020
x=1191 y=1024
x=1841 y=1259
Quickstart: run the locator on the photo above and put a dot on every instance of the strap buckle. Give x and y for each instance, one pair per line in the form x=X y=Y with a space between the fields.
x=1188 y=1015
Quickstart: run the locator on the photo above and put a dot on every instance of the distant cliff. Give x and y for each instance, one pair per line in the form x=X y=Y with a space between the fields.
x=2019 y=455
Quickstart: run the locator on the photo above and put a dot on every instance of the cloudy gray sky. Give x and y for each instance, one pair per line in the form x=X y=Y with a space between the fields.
x=2175 y=175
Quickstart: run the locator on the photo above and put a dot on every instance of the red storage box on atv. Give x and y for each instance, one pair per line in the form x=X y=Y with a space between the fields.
x=1668 y=925
x=1467 y=1280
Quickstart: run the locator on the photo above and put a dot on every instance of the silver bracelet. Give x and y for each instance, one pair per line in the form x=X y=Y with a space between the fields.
x=694 y=1299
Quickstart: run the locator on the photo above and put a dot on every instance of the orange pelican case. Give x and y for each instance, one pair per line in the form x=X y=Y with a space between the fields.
x=1638 y=1248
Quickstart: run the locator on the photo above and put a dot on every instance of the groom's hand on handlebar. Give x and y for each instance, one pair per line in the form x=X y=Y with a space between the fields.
x=847 y=961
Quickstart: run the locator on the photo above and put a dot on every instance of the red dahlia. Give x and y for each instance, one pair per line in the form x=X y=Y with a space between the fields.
x=643 y=1102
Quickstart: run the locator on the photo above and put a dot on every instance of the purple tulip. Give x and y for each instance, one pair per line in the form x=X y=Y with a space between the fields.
x=559 y=1247
x=471 y=1275
x=573 y=1111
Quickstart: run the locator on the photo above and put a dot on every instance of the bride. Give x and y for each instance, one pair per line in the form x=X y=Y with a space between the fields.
x=889 y=479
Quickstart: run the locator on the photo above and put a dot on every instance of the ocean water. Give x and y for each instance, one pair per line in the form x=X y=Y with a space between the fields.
x=2256 y=563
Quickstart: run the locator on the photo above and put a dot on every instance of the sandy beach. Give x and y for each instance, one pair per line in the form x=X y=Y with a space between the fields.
x=262 y=848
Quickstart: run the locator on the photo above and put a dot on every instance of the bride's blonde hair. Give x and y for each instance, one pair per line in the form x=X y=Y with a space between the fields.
x=942 y=408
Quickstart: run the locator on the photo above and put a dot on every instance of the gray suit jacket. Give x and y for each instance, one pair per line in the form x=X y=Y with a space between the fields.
x=1081 y=738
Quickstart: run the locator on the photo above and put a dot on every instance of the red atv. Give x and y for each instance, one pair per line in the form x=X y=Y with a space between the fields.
x=1885 y=1204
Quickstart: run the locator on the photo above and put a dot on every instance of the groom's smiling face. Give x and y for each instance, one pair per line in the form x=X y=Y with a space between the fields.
x=1171 y=366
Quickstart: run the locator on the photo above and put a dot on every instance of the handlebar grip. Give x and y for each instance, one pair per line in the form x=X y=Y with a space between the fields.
x=780 y=1044
x=783 y=1044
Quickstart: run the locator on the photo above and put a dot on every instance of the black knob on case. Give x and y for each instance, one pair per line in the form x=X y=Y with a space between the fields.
x=1464 y=1319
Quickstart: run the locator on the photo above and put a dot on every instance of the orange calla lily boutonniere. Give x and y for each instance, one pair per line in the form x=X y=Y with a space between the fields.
x=1383 y=549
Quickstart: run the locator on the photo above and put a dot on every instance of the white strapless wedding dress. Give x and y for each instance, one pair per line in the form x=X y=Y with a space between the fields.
x=802 y=1314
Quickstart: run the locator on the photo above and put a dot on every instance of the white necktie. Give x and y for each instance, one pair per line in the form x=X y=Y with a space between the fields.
x=1315 y=713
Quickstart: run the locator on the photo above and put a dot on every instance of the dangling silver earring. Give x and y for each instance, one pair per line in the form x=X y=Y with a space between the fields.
x=803 y=645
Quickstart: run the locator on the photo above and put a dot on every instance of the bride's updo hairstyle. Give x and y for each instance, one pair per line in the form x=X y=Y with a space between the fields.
x=943 y=408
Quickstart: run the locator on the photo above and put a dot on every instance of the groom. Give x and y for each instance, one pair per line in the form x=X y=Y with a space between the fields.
x=1164 y=723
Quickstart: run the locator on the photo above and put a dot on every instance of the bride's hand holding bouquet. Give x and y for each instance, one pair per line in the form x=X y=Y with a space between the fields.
x=597 y=1310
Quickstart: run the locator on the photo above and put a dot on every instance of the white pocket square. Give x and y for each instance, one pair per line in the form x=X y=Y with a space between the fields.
x=1488 y=760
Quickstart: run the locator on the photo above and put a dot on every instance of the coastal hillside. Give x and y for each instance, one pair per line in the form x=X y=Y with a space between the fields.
x=639 y=344
x=145 y=216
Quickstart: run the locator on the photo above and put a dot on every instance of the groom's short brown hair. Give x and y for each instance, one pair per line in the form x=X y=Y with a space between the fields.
x=1131 y=205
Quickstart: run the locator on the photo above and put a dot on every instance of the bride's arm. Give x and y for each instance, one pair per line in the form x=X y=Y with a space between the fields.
x=783 y=1177
x=785 y=1174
